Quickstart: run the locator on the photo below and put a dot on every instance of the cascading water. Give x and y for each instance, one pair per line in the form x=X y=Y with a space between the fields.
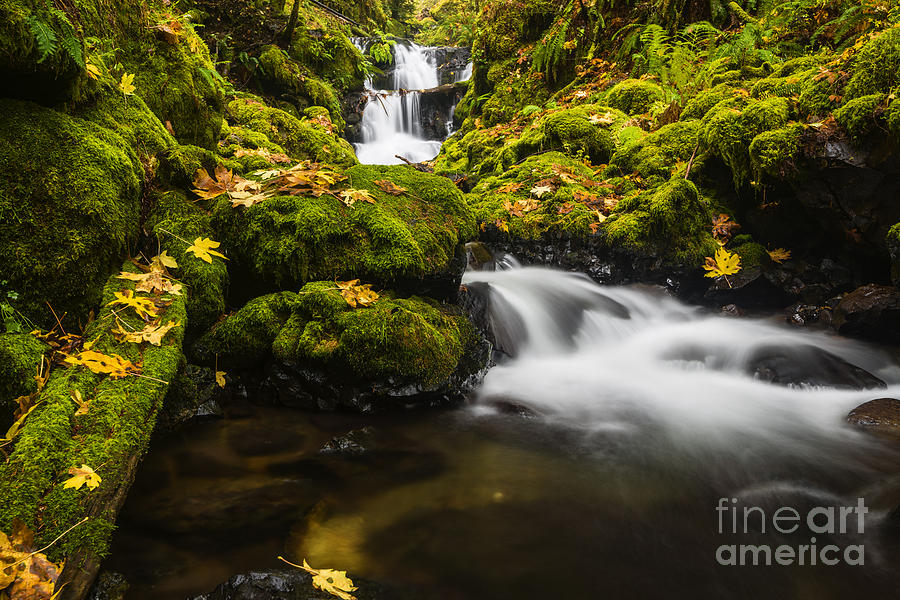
x=628 y=358
x=391 y=120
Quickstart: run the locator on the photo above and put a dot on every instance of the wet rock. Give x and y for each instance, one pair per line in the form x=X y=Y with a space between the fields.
x=809 y=366
x=109 y=586
x=293 y=584
x=748 y=288
x=356 y=442
x=881 y=415
x=731 y=310
x=193 y=395
x=871 y=311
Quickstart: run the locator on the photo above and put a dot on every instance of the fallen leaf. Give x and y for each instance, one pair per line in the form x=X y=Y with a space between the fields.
x=390 y=187
x=541 y=190
x=151 y=333
x=144 y=307
x=352 y=196
x=606 y=118
x=779 y=255
x=81 y=476
x=356 y=295
x=330 y=581
x=724 y=263
x=25 y=573
x=203 y=248
x=93 y=71
x=164 y=260
x=83 y=405
x=115 y=366
x=220 y=378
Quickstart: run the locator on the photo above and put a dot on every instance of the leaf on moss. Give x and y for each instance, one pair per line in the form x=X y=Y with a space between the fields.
x=151 y=333
x=82 y=476
x=724 y=263
x=93 y=71
x=113 y=365
x=356 y=295
x=84 y=406
x=144 y=307
x=541 y=190
x=390 y=187
x=203 y=248
x=352 y=196
x=126 y=84
x=25 y=573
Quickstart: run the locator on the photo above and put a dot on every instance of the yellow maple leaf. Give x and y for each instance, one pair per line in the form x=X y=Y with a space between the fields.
x=163 y=259
x=126 y=84
x=541 y=190
x=357 y=296
x=144 y=307
x=83 y=405
x=330 y=581
x=151 y=333
x=724 y=263
x=351 y=196
x=220 y=378
x=115 y=366
x=81 y=476
x=203 y=249
x=25 y=572
x=390 y=187
x=779 y=255
x=606 y=118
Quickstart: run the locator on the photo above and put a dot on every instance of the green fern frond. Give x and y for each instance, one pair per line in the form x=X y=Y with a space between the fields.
x=44 y=37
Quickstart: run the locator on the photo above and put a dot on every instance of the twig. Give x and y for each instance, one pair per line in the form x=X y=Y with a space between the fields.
x=58 y=322
x=59 y=537
x=691 y=162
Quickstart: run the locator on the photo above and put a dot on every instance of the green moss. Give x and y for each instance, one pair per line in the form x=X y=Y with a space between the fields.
x=771 y=152
x=116 y=430
x=670 y=221
x=752 y=255
x=491 y=205
x=20 y=360
x=892 y=115
x=69 y=204
x=300 y=139
x=244 y=340
x=332 y=54
x=703 y=101
x=859 y=116
x=658 y=154
x=283 y=75
x=728 y=132
x=131 y=118
x=876 y=68
x=412 y=340
x=287 y=240
x=205 y=283
x=634 y=96
x=183 y=88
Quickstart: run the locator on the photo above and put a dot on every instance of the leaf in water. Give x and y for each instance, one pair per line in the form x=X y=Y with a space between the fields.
x=81 y=476
x=779 y=255
x=724 y=263
x=202 y=248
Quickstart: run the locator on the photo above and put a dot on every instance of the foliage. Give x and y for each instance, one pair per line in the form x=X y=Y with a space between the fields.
x=333 y=582
x=725 y=263
x=54 y=33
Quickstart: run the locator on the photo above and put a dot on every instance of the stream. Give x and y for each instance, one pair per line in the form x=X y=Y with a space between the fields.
x=634 y=416
x=621 y=443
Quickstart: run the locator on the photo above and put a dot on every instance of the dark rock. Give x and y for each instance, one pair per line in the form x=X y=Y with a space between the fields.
x=109 y=586
x=193 y=395
x=871 y=311
x=293 y=584
x=748 y=288
x=881 y=415
x=731 y=310
x=809 y=365
x=356 y=442
x=804 y=314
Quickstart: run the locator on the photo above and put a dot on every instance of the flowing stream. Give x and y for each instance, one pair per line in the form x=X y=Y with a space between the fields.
x=634 y=416
x=392 y=119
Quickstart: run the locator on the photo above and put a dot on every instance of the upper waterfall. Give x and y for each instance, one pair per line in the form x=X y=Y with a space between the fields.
x=392 y=118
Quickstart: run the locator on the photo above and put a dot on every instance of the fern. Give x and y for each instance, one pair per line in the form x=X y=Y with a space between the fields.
x=44 y=37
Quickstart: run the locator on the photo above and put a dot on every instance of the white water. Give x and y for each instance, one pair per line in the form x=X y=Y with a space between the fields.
x=391 y=120
x=660 y=366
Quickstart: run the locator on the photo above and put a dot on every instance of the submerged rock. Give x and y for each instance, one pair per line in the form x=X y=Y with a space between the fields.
x=871 y=311
x=881 y=416
x=293 y=584
x=809 y=366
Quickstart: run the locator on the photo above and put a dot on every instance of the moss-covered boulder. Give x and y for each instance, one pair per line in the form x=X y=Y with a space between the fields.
x=20 y=362
x=634 y=96
x=861 y=116
x=588 y=131
x=658 y=154
x=174 y=219
x=397 y=240
x=69 y=208
x=876 y=68
x=130 y=118
x=670 y=221
x=299 y=138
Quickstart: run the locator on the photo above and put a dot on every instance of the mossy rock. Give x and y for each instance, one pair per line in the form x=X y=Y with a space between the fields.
x=300 y=139
x=131 y=118
x=285 y=241
x=281 y=74
x=772 y=152
x=182 y=88
x=657 y=154
x=173 y=219
x=860 y=116
x=876 y=68
x=333 y=55
x=20 y=362
x=404 y=340
x=704 y=100
x=892 y=115
x=635 y=96
x=728 y=131
x=588 y=131
x=670 y=221
x=492 y=196
x=69 y=208
x=244 y=339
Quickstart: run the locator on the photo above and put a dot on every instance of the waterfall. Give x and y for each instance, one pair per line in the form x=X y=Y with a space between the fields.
x=392 y=118
x=630 y=358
